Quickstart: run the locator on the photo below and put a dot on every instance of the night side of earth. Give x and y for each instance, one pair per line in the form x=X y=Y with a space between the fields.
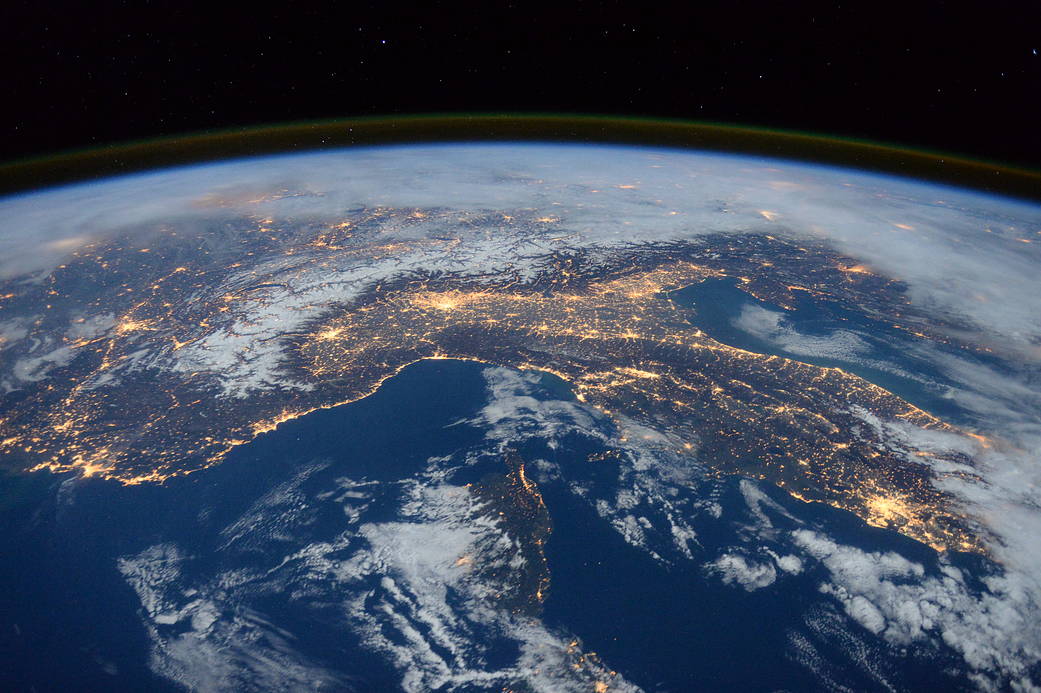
x=525 y=417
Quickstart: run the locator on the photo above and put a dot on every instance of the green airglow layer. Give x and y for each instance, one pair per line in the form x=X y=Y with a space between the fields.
x=93 y=163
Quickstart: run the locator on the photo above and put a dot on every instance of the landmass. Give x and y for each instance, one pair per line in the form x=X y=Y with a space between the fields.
x=306 y=316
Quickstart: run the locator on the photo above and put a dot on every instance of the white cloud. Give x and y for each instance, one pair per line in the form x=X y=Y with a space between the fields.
x=31 y=369
x=771 y=326
x=949 y=260
x=997 y=631
x=515 y=413
x=840 y=652
x=422 y=590
x=431 y=608
x=12 y=331
x=789 y=564
x=205 y=645
x=734 y=568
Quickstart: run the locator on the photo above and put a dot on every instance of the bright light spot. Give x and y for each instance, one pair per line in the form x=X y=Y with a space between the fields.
x=329 y=334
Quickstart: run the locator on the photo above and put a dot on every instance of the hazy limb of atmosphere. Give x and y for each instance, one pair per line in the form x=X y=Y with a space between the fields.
x=963 y=252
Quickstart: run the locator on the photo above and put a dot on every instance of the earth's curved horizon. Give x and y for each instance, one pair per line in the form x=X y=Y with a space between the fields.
x=185 y=149
x=745 y=380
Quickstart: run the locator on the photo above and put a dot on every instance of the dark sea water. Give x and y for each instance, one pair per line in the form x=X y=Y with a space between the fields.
x=666 y=628
x=718 y=302
x=673 y=628
x=69 y=621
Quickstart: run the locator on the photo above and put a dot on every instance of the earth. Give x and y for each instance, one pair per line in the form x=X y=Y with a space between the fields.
x=519 y=417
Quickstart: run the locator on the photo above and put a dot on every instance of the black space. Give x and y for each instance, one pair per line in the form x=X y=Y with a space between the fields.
x=958 y=77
